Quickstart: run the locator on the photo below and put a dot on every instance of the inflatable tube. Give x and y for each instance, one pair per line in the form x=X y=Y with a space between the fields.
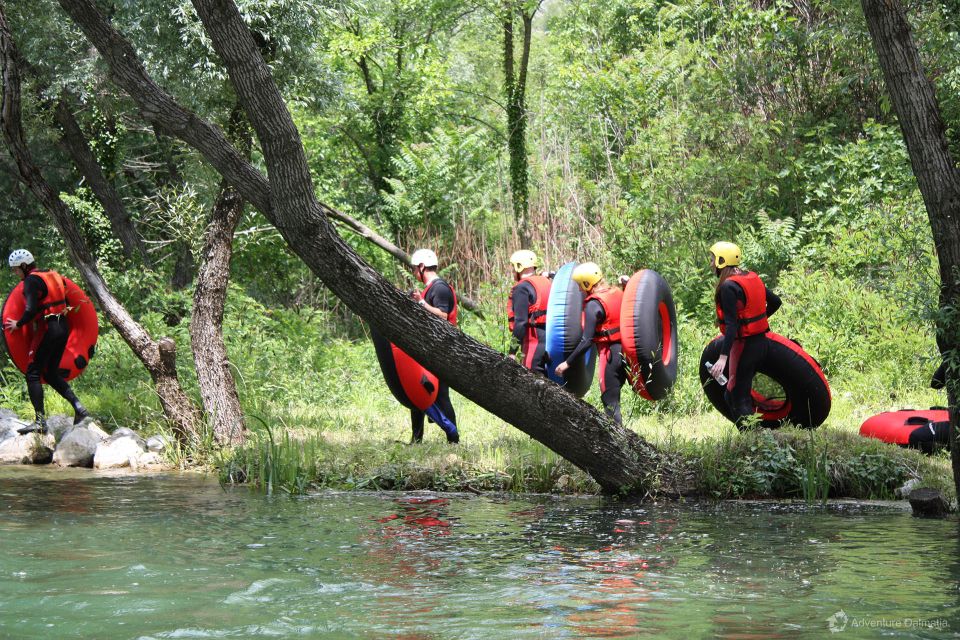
x=564 y=330
x=648 y=332
x=81 y=344
x=805 y=398
x=924 y=430
x=413 y=386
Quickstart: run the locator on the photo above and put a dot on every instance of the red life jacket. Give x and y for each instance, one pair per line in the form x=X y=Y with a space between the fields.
x=536 y=312
x=55 y=302
x=752 y=316
x=609 y=331
x=452 y=316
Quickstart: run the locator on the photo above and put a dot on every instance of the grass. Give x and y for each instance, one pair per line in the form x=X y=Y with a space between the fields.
x=365 y=449
x=322 y=416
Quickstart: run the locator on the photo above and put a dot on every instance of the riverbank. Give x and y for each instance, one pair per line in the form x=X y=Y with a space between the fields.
x=711 y=457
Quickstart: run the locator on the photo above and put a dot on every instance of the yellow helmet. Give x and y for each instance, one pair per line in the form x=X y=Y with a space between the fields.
x=523 y=259
x=587 y=275
x=725 y=254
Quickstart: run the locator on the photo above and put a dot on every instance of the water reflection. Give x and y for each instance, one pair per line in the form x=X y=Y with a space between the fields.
x=162 y=557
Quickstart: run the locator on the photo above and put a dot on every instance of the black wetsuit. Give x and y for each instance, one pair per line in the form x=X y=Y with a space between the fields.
x=45 y=361
x=532 y=343
x=745 y=354
x=439 y=295
x=613 y=368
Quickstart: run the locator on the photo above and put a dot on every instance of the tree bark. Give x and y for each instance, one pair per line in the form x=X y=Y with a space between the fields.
x=619 y=460
x=156 y=357
x=914 y=101
x=75 y=142
x=218 y=389
x=515 y=90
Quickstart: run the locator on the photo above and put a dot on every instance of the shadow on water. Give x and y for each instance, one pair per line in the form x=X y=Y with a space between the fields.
x=92 y=556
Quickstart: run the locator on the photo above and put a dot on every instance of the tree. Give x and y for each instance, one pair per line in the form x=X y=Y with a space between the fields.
x=924 y=131
x=618 y=459
x=159 y=357
x=218 y=389
x=391 y=50
x=75 y=142
x=515 y=90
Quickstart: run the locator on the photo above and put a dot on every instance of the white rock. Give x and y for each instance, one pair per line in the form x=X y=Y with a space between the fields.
x=117 y=452
x=59 y=424
x=9 y=423
x=78 y=446
x=30 y=448
x=149 y=458
x=130 y=433
x=157 y=443
x=907 y=487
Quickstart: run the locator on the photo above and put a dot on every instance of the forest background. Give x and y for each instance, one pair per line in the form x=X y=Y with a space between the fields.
x=651 y=130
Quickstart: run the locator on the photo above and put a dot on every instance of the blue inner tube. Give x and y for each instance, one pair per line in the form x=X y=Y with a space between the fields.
x=564 y=330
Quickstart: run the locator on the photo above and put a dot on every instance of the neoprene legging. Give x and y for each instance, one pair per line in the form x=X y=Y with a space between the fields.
x=46 y=363
x=535 y=351
x=612 y=377
x=746 y=354
x=443 y=402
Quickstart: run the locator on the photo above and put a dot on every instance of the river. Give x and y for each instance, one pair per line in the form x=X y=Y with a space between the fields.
x=86 y=555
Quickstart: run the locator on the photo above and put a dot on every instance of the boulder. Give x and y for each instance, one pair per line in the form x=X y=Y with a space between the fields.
x=120 y=450
x=59 y=425
x=157 y=443
x=129 y=433
x=9 y=423
x=78 y=445
x=928 y=503
x=31 y=448
x=146 y=460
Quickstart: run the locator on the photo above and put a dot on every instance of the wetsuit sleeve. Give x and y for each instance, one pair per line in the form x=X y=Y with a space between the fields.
x=33 y=291
x=593 y=317
x=441 y=297
x=773 y=303
x=730 y=293
x=522 y=299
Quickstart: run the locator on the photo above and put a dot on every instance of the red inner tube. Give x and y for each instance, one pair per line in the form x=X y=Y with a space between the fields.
x=648 y=333
x=81 y=345
x=413 y=386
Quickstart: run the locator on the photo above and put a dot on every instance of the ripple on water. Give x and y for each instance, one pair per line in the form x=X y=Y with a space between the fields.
x=179 y=557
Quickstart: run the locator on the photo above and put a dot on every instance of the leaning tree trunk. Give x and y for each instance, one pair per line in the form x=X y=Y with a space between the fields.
x=915 y=103
x=218 y=389
x=618 y=459
x=158 y=357
x=75 y=143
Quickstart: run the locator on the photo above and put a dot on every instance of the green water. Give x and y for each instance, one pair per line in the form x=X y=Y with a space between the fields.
x=168 y=556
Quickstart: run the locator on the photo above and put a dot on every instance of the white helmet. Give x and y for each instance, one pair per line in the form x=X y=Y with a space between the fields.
x=20 y=257
x=426 y=257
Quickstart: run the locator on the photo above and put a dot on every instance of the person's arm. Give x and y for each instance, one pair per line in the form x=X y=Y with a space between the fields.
x=593 y=317
x=33 y=290
x=773 y=303
x=522 y=298
x=730 y=292
x=440 y=303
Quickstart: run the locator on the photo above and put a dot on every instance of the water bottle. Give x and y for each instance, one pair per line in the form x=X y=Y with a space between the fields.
x=720 y=378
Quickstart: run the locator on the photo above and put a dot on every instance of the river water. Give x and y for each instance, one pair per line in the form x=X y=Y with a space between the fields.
x=176 y=556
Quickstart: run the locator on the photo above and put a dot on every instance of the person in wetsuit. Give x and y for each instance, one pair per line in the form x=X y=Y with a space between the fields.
x=438 y=298
x=601 y=326
x=743 y=304
x=46 y=301
x=527 y=311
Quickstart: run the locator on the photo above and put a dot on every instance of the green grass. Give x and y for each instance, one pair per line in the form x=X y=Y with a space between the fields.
x=321 y=416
